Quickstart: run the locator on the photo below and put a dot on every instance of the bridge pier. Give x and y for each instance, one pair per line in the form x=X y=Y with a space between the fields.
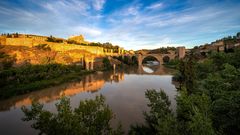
x=89 y=63
x=139 y=57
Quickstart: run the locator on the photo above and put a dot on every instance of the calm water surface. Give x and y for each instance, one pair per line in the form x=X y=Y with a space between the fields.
x=124 y=92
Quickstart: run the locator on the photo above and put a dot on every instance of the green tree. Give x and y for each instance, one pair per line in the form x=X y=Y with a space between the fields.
x=160 y=119
x=194 y=114
x=91 y=117
x=187 y=74
x=106 y=63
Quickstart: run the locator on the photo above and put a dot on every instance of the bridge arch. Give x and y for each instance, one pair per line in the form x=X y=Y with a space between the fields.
x=157 y=57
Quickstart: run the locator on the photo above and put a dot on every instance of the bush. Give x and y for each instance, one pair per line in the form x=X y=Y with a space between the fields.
x=44 y=47
x=53 y=39
x=6 y=61
x=89 y=118
x=106 y=63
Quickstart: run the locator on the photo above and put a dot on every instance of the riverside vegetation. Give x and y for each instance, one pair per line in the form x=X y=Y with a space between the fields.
x=24 y=79
x=208 y=103
x=16 y=81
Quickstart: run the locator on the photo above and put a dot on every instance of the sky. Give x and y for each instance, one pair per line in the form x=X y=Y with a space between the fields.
x=132 y=24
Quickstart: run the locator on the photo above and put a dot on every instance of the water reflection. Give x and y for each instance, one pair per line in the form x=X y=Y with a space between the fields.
x=89 y=83
x=124 y=92
x=147 y=69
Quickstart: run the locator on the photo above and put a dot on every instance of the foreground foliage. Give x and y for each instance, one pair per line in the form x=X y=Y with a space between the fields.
x=208 y=102
x=193 y=116
x=219 y=78
x=91 y=117
x=160 y=119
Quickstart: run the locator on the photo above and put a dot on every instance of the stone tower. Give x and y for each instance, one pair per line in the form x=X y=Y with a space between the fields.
x=181 y=52
x=78 y=39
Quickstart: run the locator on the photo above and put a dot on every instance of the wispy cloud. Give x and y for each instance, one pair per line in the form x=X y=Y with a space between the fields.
x=155 y=6
x=98 y=4
x=133 y=25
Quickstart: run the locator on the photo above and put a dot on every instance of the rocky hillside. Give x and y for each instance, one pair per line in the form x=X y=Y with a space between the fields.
x=41 y=54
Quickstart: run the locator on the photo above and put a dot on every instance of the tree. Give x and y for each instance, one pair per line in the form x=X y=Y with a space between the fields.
x=190 y=77
x=16 y=35
x=8 y=35
x=238 y=35
x=200 y=123
x=160 y=119
x=194 y=113
x=91 y=117
x=106 y=63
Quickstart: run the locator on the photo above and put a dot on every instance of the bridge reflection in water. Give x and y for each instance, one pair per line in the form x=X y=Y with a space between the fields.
x=124 y=92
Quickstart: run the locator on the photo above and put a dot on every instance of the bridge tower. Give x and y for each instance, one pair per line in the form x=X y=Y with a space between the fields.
x=181 y=52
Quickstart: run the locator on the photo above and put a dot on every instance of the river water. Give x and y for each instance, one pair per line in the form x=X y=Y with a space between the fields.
x=124 y=92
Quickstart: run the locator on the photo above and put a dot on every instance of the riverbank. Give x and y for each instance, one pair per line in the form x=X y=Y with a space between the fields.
x=123 y=89
x=18 y=81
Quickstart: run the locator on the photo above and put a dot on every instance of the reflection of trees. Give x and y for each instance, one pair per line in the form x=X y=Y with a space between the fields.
x=89 y=83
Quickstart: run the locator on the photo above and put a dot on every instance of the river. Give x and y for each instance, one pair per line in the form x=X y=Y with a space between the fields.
x=124 y=92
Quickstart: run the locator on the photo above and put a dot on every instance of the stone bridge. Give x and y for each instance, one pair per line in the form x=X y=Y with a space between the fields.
x=179 y=53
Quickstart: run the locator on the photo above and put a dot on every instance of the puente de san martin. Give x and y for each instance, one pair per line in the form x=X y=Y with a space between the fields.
x=78 y=49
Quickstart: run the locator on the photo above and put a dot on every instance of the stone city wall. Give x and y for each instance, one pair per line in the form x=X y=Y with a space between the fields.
x=61 y=47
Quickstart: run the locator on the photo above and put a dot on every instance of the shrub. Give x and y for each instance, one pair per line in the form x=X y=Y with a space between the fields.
x=89 y=118
x=106 y=63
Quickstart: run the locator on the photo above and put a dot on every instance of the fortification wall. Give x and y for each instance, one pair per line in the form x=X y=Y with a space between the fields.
x=19 y=42
x=2 y=41
x=61 y=47
x=37 y=41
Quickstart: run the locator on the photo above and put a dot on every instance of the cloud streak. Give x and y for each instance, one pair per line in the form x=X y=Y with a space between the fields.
x=133 y=25
x=98 y=4
x=155 y=6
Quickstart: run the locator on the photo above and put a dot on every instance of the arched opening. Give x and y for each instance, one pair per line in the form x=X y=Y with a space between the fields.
x=150 y=60
x=150 y=64
x=166 y=59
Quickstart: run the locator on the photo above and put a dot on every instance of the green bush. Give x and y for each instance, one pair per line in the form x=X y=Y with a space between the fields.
x=106 y=63
x=91 y=117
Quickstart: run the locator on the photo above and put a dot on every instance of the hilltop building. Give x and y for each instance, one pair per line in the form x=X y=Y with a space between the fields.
x=78 y=39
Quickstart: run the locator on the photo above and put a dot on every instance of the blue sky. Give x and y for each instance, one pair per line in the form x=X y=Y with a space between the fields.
x=132 y=24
